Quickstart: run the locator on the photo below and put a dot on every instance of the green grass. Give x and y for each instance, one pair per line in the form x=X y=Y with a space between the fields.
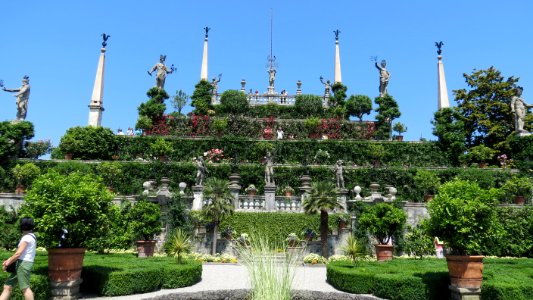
x=428 y=278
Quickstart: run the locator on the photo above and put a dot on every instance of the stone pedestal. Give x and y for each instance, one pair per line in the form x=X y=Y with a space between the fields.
x=198 y=193
x=235 y=188
x=68 y=290
x=342 y=195
x=270 y=90
x=464 y=294
x=270 y=197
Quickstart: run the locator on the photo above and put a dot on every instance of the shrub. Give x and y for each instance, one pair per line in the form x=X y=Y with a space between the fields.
x=308 y=105
x=144 y=220
x=178 y=244
x=234 y=102
x=35 y=149
x=9 y=229
x=518 y=186
x=89 y=143
x=426 y=181
x=25 y=174
x=417 y=242
x=383 y=220
x=12 y=135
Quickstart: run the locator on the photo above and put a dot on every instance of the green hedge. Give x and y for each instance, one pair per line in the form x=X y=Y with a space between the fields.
x=503 y=279
x=125 y=274
x=275 y=226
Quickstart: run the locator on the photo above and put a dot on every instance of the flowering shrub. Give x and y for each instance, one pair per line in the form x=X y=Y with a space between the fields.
x=338 y=257
x=217 y=258
x=200 y=124
x=505 y=162
x=314 y=259
x=214 y=155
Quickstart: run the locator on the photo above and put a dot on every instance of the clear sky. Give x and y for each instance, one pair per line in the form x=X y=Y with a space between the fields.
x=57 y=43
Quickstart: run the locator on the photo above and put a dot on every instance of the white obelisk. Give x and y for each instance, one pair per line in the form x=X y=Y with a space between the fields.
x=338 y=75
x=97 y=100
x=203 y=72
x=444 y=102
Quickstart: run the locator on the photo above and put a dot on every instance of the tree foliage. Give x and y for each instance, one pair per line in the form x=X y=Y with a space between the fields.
x=485 y=108
x=12 y=136
x=339 y=94
x=387 y=110
x=88 y=143
x=201 y=97
x=308 y=105
x=179 y=100
x=450 y=130
x=234 y=102
x=220 y=204
x=153 y=110
x=359 y=105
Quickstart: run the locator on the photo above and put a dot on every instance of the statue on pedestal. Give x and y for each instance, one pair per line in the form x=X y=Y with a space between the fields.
x=384 y=76
x=269 y=169
x=339 y=170
x=214 y=84
x=201 y=170
x=271 y=76
x=162 y=72
x=519 y=107
x=327 y=86
x=23 y=95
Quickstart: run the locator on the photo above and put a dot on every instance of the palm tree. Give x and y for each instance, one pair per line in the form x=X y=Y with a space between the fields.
x=323 y=198
x=220 y=204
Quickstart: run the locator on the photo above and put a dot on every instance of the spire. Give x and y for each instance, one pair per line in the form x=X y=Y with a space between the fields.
x=203 y=73
x=444 y=102
x=97 y=100
x=338 y=76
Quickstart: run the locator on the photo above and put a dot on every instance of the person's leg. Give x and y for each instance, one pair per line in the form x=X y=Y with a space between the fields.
x=6 y=292
x=27 y=293
x=23 y=276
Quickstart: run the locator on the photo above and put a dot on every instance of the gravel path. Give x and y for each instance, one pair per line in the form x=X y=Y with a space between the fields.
x=231 y=282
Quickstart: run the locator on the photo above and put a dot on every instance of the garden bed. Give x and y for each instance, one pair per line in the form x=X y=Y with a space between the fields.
x=428 y=279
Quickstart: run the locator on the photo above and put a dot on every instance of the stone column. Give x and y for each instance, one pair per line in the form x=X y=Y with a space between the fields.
x=305 y=189
x=96 y=106
x=342 y=195
x=235 y=188
x=198 y=193
x=203 y=72
x=443 y=91
x=270 y=197
x=338 y=76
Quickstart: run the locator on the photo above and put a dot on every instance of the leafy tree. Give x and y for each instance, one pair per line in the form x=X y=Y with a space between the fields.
x=323 y=198
x=201 y=97
x=308 y=105
x=220 y=205
x=449 y=128
x=234 y=102
x=89 y=143
x=387 y=110
x=12 y=136
x=179 y=100
x=153 y=110
x=359 y=105
x=339 y=94
x=485 y=108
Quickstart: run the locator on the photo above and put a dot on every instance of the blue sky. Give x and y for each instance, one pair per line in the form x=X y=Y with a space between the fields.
x=57 y=43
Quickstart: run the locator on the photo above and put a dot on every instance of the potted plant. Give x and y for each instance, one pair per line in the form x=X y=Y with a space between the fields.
x=69 y=211
x=481 y=154
x=428 y=182
x=464 y=216
x=24 y=174
x=111 y=173
x=519 y=188
x=399 y=128
x=293 y=240
x=309 y=234
x=144 y=223
x=341 y=220
x=287 y=191
x=161 y=149
x=383 y=220
x=251 y=190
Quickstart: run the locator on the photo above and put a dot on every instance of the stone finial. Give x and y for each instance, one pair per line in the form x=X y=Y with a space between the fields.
x=105 y=37
x=439 y=47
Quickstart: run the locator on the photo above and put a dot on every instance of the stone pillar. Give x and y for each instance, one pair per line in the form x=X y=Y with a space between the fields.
x=305 y=188
x=299 y=87
x=375 y=194
x=97 y=100
x=198 y=193
x=270 y=197
x=464 y=293
x=203 y=72
x=235 y=188
x=443 y=91
x=163 y=197
x=342 y=195
x=338 y=76
x=243 y=86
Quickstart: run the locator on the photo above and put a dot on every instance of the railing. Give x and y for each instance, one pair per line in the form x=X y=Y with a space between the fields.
x=263 y=99
x=257 y=203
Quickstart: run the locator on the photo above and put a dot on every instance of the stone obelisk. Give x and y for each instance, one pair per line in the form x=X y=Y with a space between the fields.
x=444 y=102
x=97 y=100
x=203 y=72
x=338 y=75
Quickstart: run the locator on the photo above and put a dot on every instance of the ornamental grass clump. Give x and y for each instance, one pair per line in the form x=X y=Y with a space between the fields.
x=271 y=275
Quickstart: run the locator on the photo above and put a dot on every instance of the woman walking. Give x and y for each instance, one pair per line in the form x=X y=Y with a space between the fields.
x=23 y=258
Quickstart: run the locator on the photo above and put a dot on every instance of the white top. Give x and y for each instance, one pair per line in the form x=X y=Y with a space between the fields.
x=29 y=252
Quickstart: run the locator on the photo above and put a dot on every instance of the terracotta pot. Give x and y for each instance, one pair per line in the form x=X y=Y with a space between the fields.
x=145 y=248
x=399 y=138
x=428 y=197
x=482 y=165
x=252 y=192
x=520 y=200
x=288 y=194
x=384 y=252
x=163 y=158
x=68 y=156
x=65 y=264
x=342 y=225
x=19 y=190
x=465 y=271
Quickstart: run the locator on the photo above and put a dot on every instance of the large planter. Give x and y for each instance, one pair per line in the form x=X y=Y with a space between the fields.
x=384 y=252
x=145 y=248
x=520 y=200
x=65 y=264
x=465 y=271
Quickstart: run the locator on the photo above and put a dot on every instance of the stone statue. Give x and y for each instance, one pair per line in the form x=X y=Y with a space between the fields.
x=327 y=86
x=336 y=34
x=23 y=95
x=384 y=77
x=339 y=170
x=201 y=170
x=214 y=84
x=105 y=37
x=519 y=107
x=439 y=47
x=162 y=72
x=271 y=76
x=269 y=169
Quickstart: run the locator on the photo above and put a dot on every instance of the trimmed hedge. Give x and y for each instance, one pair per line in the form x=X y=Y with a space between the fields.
x=275 y=226
x=125 y=274
x=503 y=279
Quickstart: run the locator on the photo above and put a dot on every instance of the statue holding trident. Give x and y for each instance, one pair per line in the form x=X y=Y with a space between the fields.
x=201 y=170
x=23 y=95
x=384 y=76
x=519 y=107
x=162 y=72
